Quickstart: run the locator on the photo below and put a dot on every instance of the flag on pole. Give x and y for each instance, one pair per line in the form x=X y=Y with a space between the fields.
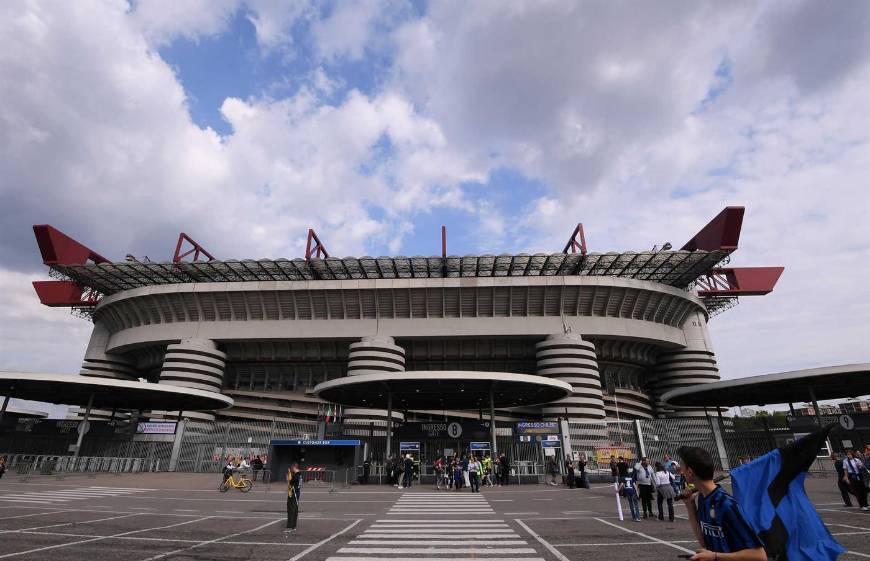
x=328 y=413
x=770 y=492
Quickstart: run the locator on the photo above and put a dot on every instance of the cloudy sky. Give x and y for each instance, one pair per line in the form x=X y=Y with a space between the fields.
x=244 y=122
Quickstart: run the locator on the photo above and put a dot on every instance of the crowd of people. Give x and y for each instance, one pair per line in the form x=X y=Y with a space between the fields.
x=456 y=472
x=853 y=476
x=255 y=465
x=639 y=481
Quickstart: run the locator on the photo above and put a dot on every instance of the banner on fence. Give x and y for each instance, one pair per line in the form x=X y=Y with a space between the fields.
x=154 y=427
x=602 y=455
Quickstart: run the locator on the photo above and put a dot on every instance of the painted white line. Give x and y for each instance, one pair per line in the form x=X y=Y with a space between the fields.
x=367 y=535
x=30 y=501
x=208 y=542
x=403 y=521
x=850 y=533
x=35 y=514
x=556 y=553
x=847 y=526
x=309 y=549
x=71 y=523
x=466 y=543
x=183 y=510
x=515 y=513
x=858 y=554
x=434 y=550
x=618 y=543
x=501 y=500
x=99 y=538
x=431 y=559
x=446 y=525
x=439 y=531
x=845 y=511
x=651 y=538
x=150 y=508
x=543 y=499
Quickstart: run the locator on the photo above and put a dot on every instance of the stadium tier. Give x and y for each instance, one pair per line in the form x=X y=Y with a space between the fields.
x=620 y=328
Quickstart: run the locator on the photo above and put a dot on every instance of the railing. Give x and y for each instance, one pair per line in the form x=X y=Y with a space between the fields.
x=27 y=465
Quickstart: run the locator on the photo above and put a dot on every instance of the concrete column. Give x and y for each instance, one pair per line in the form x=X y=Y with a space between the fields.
x=176 y=445
x=694 y=364
x=567 y=357
x=638 y=435
x=193 y=363
x=492 y=433
x=83 y=426
x=389 y=423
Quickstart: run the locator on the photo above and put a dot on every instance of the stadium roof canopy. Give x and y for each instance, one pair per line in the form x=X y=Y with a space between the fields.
x=830 y=382
x=433 y=389
x=107 y=393
x=674 y=268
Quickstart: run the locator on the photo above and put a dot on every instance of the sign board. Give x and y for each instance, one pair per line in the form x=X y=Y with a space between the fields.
x=444 y=431
x=526 y=438
x=602 y=455
x=405 y=447
x=549 y=451
x=847 y=422
x=551 y=444
x=154 y=427
x=550 y=437
x=300 y=442
x=478 y=446
x=538 y=427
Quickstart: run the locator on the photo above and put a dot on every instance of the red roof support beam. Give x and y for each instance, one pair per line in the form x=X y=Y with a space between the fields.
x=195 y=249
x=573 y=244
x=61 y=294
x=720 y=234
x=318 y=250
x=59 y=249
x=739 y=281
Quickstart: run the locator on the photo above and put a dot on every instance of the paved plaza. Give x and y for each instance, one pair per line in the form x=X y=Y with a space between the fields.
x=183 y=517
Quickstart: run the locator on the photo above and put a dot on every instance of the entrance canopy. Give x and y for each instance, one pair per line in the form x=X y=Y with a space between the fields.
x=438 y=389
x=69 y=389
x=830 y=382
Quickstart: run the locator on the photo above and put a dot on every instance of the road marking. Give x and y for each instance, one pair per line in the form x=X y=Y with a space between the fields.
x=670 y=544
x=545 y=543
x=35 y=514
x=435 y=521
x=430 y=559
x=617 y=543
x=323 y=541
x=517 y=513
x=70 y=523
x=468 y=542
x=434 y=550
x=183 y=510
x=858 y=554
x=847 y=526
x=208 y=542
x=99 y=538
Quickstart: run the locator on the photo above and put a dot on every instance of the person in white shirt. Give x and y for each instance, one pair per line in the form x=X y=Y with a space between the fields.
x=664 y=480
x=474 y=474
x=643 y=475
x=853 y=474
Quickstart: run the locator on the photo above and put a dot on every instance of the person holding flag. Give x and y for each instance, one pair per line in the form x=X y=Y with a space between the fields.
x=716 y=520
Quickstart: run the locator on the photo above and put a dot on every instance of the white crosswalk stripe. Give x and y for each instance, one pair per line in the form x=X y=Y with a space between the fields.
x=52 y=496
x=422 y=527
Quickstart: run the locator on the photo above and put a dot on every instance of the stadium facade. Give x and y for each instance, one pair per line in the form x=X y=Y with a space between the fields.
x=621 y=328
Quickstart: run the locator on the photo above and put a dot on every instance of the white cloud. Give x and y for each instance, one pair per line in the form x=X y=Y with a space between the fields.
x=163 y=20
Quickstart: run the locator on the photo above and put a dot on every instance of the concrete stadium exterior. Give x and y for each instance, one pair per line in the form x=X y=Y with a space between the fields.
x=621 y=328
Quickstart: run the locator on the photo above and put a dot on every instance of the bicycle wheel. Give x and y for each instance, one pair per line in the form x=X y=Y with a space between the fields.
x=224 y=487
x=246 y=485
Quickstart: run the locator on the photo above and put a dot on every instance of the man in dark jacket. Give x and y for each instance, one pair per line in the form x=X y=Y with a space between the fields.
x=294 y=492
x=409 y=471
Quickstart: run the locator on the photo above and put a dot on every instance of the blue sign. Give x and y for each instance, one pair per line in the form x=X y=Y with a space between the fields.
x=551 y=444
x=300 y=442
x=478 y=445
x=409 y=447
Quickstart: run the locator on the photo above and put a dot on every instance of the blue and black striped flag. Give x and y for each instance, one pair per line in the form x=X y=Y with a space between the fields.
x=771 y=495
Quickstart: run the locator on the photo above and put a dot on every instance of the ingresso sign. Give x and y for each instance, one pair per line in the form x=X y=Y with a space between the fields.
x=538 y=427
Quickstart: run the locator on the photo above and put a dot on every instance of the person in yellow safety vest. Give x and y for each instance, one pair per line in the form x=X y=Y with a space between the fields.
x=486 y=463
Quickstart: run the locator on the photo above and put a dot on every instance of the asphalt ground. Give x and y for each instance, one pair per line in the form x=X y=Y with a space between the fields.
x=184 y=517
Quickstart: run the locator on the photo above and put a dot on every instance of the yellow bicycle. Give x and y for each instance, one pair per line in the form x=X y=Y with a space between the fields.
x=243 y=484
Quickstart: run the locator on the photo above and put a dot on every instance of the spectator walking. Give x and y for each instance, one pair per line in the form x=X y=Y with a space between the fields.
x=622 y=468
x=474 y=474
x=408 y=472
x=367 y=469
x=2 y=466
x=486 y=464
x=294 y=493
x=614 y=469
x=583 y=481
x=664 y=490
x=854 y=470
x=643 y=476
x=714 y=515
x=465 y=479
x=842 y=480
x=438 y=468
x=570 y=480
x=257 y=468
x=505 y=469
x=552 y=469
x=628 y=489
x=671 y=466
x=457 y=475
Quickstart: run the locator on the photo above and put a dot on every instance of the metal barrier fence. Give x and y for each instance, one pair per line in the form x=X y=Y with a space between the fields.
x=205 y=448
x=27 y=465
